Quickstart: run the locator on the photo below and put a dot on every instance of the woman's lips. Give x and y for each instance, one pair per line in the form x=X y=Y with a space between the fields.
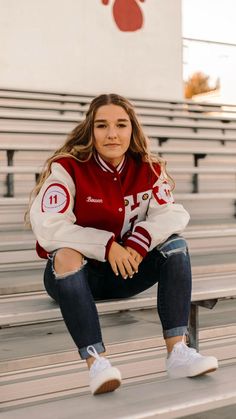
x=112 y=145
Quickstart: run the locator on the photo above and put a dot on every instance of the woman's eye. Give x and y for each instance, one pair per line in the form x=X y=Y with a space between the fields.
x=121 y=125
x=101 y=126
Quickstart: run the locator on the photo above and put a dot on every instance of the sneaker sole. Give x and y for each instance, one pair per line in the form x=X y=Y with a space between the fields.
x=203 y=373
x=108 y=387
x=202 y=366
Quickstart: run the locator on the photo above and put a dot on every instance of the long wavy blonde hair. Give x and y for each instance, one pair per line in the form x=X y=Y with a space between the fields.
x=80 y=142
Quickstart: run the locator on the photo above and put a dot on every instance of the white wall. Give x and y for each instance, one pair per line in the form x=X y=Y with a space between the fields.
x=75 y=46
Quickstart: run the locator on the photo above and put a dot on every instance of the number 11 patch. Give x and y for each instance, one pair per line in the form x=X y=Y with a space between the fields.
x=56 y=198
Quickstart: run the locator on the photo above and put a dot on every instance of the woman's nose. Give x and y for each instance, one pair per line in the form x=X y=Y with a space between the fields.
x=112 y=132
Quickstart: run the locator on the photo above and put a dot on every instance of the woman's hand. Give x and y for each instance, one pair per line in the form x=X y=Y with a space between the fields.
x=121 y=260
x=135 y=254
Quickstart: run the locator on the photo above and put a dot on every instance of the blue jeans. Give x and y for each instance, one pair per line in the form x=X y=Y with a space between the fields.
x=76 y=293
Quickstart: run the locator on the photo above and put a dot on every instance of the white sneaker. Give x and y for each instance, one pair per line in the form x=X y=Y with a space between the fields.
x=187 y=362
x=103 y=377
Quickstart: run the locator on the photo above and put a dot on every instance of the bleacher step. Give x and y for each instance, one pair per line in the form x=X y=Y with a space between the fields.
x=37 y=345
x=198 y=239
x=21 y=281
x=17 y=278
x=145 y=388
x=38 y=307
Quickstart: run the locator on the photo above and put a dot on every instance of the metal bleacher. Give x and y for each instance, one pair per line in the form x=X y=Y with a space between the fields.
x=39 y=364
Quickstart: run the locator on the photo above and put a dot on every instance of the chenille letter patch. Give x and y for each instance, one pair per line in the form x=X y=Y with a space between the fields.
x=56 y=198
x=163 y=193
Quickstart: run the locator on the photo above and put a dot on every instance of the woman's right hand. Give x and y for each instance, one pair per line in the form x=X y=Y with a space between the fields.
x=122 y=261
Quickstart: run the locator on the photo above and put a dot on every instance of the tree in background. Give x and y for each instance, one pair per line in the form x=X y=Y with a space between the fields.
x=199 y=83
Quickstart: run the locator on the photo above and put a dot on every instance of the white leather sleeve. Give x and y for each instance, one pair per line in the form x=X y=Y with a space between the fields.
x=164 y=217
x=54 y=225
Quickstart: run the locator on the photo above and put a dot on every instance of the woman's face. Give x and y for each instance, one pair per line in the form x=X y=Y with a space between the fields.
x=112 y=133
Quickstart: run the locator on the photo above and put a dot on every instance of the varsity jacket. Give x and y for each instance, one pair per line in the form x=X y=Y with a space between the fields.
x=87 y=205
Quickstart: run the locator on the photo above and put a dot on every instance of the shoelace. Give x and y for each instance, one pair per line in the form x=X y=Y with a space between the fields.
x=100 y=362
x=185 y=352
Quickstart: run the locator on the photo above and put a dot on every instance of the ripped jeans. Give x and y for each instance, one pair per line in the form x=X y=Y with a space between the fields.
x=168 y=264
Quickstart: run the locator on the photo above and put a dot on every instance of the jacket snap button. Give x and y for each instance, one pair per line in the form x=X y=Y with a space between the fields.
x=115 y=178
x=120 y=209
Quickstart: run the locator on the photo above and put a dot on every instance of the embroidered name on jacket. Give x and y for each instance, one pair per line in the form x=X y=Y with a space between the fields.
x=94 y=200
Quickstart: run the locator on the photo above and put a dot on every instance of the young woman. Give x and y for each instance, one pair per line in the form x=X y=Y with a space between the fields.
x=105 y=218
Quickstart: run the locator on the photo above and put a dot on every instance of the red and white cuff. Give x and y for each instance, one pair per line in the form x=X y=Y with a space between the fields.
x=139 y=240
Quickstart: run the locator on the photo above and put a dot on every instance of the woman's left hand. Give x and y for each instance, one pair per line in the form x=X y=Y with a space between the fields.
x=138 y=258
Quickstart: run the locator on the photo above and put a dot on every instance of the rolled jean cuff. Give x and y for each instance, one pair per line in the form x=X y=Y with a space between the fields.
x=176 y=331
x=98 y=346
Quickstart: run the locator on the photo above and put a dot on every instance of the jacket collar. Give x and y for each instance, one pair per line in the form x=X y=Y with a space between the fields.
x=106 y=167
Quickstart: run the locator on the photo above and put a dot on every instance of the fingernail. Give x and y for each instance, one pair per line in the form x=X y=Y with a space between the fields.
x=125 y=277
x=131 y=276
x=117 y=273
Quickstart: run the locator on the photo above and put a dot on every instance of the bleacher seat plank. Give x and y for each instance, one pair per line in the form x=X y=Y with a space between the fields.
x=166 y=135
x=28 y=243
x=21 y=281
x=42 y=107
x=204 y=196
x=24 y=240
x=145 y=397
x=63 y=97
x=154 y=148
x=23 y=201
x=202 y=170
x=18 y=256
x=27 y=147
x=20 y=169
x=19 y=277
x=160 y=111
x=13 y=111
x=147 y=122
x=171 y=135
x=39 y=307
x=182 y=170
x=49 y=343
x=193 y=150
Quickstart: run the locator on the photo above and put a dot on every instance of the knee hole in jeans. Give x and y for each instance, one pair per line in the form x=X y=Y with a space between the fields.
x=66 y=274
x=174 y=245
x=68 y=270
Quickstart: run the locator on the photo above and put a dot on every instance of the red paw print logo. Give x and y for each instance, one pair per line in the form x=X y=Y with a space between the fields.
x=127 y=14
